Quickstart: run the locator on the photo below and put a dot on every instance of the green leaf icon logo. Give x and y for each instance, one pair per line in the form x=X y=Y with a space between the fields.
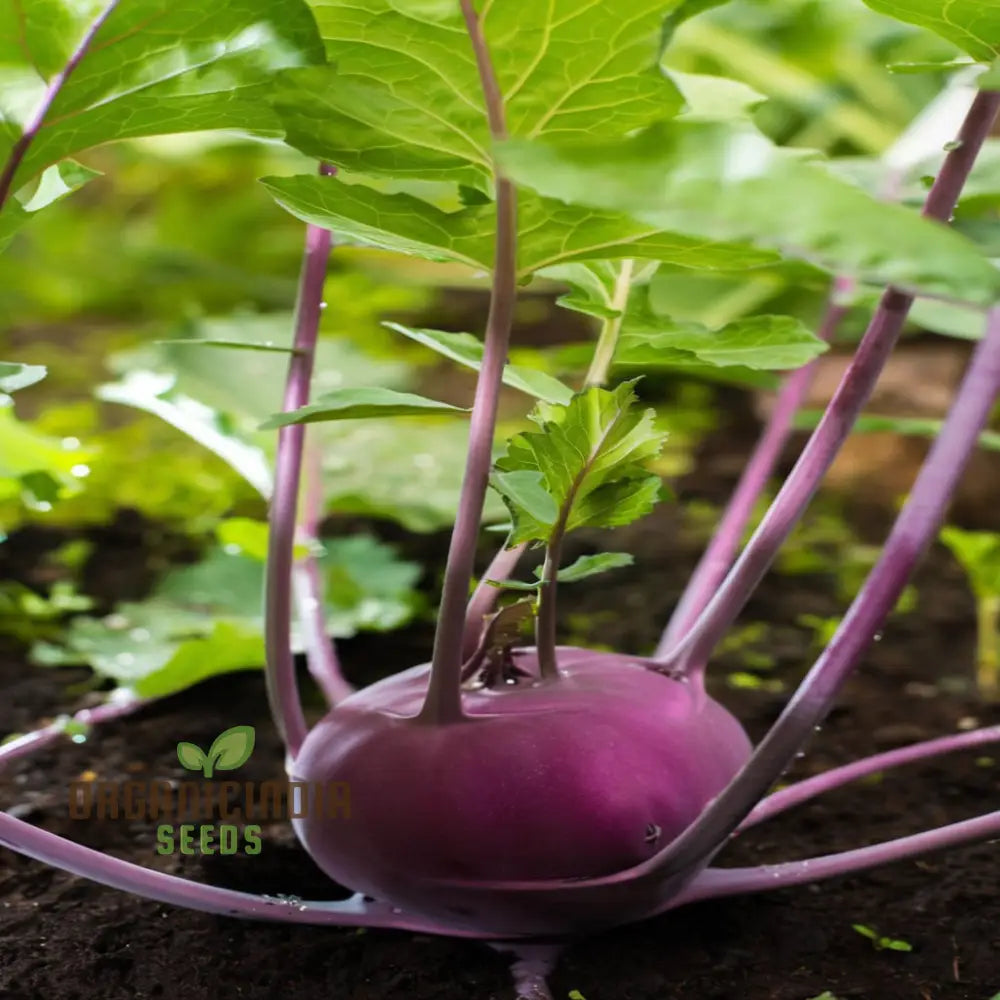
x=229 y=750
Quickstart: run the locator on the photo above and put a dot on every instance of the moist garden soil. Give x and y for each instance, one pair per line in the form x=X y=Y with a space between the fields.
x=63 y=938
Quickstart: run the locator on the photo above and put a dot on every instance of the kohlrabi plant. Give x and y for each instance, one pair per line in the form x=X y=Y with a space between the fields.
x=503 y=791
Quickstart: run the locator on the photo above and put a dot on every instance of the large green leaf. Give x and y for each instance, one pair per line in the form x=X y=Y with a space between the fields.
x=972 y=25
x=402 y=95
x=769 y=343
x=721 y=181
x=549 y=231
x=410 y=471
x=154 y=67
x=207 y=619
x=590 y=456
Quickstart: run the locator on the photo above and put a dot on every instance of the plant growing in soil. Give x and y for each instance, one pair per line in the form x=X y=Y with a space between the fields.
x=507 y=792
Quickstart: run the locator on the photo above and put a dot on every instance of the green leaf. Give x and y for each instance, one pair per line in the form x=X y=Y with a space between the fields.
x=361 y=403
x=526 y=489
x=54 y=184
x=590 y=456
x=244 y=536
x=226 y=649
x=972 y=25
x=155 y=393
x=402 y=97
x=591 y=565
x=154 y=67
x=725 y=182
x=591 y=284
x=467 y=350
x=714 y=98
x=34 y=466
x=769 y=343
x=239 y=345
x=978 y=552
x=16 y=376
x=191 y=756
x=367 y=586
x=549 y=232
x=206 y=619
x=232 y=748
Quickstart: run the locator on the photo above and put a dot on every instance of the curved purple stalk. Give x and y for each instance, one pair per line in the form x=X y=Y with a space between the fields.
x=163 y=888
x=912 y=533
x=715 y=882
x=282 y=690
x=307 y=582
x=691 y=652
x=484 y=597
x=444 y=699
x=802 y=791
x=117 y=707
x=34 y=126
x=718 y=557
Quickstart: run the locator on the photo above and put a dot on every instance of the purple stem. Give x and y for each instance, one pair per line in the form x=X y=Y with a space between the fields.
x=163 y=888
x=321 y=654
x=913 y=531
x=444 y=700
x=715 y=882
x=718 y=557
x=22 y=746
x=484 y=597
x=803 y=791
x=282 y=690
x=691 y=652
x=34 y=126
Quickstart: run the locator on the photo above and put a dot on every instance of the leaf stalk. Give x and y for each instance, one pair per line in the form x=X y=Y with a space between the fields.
x=282 y=688
x=443 y=703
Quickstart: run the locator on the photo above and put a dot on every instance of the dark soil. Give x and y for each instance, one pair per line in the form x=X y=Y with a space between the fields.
x=62 y=938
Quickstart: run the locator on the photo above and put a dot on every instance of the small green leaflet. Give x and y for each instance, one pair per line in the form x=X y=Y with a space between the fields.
x=579 y=570
x=972 y=25
x=154 y=68
x=589 y=457
x=410 y=105
x=361 y=403
x=726 y=181
x=978 y=552
x=467 y=350
x=549 y=231
x=229 y=750
x=17 y=376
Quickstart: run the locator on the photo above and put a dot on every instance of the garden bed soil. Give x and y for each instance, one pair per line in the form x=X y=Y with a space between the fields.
x=63 y=938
